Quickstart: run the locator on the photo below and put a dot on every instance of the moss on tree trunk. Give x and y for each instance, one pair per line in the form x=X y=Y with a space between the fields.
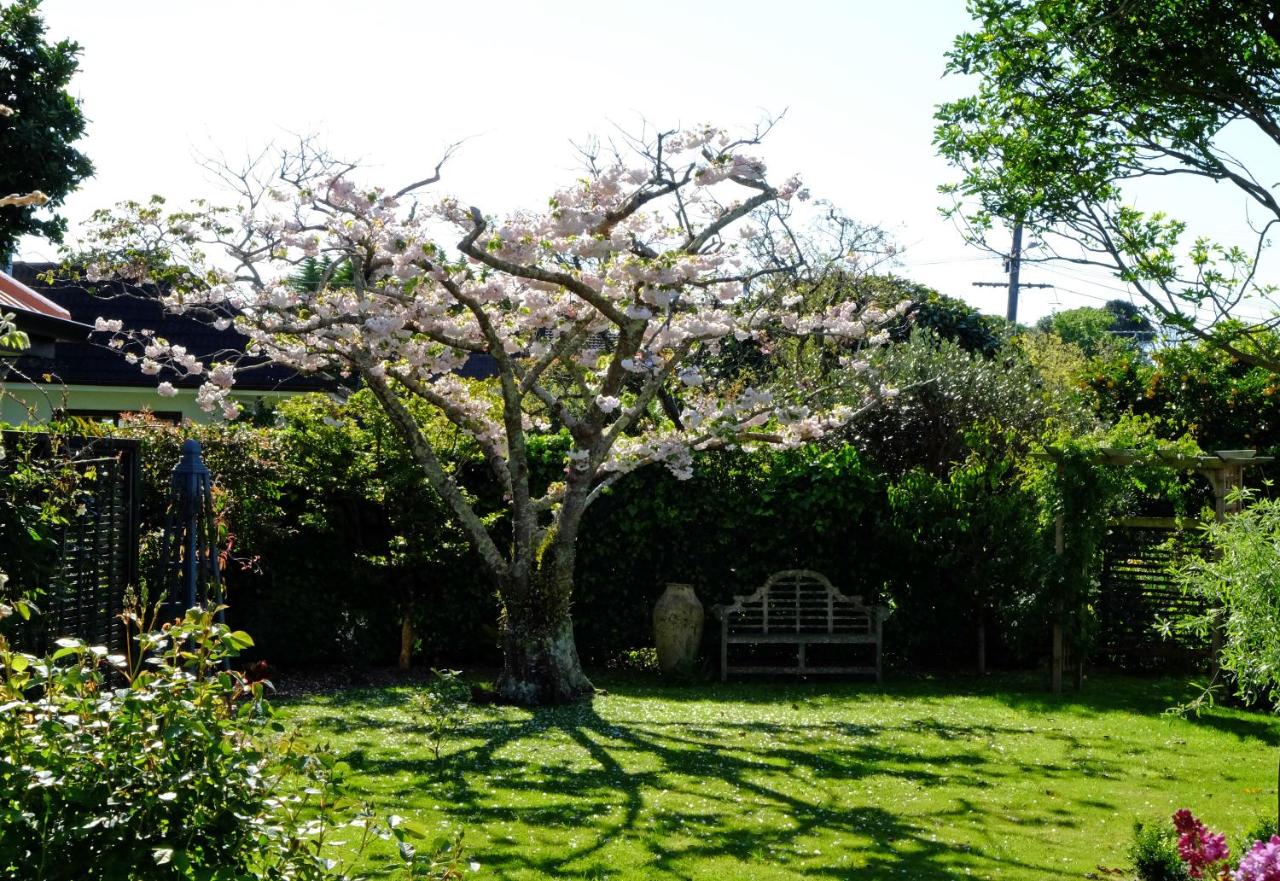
x=540 y=660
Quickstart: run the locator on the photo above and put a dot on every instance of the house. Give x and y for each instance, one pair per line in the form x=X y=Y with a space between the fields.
x=67 y=372
x=41 y=319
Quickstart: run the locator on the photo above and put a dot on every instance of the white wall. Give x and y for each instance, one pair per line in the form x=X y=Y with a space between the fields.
x=24 y=402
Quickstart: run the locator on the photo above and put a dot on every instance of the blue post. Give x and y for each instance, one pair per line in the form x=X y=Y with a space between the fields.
x=190 y=547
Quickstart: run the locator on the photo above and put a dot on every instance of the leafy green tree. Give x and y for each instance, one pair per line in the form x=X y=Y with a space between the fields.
x=939 y=391
x=36 y=136
x=1077 y=99
x=1194 y=389
x=1094 y=330
x=313 y=273
x=947 y=317
x=1086 y=327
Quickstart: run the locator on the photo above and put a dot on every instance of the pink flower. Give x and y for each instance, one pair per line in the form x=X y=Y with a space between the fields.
x=1262 y=863
x=1197 y=846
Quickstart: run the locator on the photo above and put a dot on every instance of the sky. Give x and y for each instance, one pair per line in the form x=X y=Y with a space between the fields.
x=391 y=82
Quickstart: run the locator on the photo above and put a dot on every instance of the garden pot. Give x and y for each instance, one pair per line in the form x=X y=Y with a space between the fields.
x=677 y=628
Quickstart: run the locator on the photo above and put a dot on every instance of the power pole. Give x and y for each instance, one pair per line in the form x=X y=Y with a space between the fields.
x=1015 y=270
x=1013 y=266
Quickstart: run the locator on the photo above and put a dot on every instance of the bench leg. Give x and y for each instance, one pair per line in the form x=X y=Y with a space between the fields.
x=801 y=657
x=724 y=651
x=879 y=640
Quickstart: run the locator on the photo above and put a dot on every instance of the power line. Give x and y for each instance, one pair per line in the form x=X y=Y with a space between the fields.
x=951 y=260
x=1076 y=273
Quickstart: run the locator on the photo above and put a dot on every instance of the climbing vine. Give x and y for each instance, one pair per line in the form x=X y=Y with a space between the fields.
x=1089 y=481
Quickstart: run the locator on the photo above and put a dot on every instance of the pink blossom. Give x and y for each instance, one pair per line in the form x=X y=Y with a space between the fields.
x=1261 y=863
x=1199 y=848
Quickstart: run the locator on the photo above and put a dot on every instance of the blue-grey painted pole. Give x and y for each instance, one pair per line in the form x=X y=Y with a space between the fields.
x=190 y=482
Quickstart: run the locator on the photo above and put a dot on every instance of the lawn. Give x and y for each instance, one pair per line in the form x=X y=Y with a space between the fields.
x=932 y=778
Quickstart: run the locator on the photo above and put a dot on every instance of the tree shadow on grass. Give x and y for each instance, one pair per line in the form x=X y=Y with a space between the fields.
x=660 y=798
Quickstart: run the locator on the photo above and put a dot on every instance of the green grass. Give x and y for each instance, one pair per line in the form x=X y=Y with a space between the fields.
x=919 y=779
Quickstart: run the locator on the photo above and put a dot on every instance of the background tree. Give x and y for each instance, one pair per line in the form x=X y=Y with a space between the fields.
x=1193 y=388
x=1078 y=99
x=12 y=339
x=37 y=159
x=1094 y=330
x=593 y=314
x=947 y=317
x=944 y=391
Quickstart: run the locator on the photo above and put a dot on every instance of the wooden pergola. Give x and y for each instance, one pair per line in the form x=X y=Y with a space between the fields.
x=1224 y=470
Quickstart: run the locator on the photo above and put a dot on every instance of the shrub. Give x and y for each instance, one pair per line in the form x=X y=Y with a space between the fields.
x=1154 y=854
x=41 y=489
x=326 y=499
x=1188 y=849
x=1264 y=826
x=163 y=764
x=445 y=705
x=1240 y=583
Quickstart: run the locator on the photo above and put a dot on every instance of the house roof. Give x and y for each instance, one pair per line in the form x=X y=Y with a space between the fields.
x=16 y=295
x=36 y=314
x=82 y=362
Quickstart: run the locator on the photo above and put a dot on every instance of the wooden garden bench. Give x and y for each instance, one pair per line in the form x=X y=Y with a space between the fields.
x=801 y=608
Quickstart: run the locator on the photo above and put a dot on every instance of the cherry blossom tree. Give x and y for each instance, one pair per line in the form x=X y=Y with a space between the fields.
x=594 y=315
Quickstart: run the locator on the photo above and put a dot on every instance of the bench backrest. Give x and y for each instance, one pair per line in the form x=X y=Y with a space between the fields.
x=800 y=601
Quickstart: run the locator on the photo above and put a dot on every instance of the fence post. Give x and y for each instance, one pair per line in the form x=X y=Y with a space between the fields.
x=190 y=558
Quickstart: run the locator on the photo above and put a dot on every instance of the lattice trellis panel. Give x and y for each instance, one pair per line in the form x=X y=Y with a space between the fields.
x=1138 y=590
x=97 y=554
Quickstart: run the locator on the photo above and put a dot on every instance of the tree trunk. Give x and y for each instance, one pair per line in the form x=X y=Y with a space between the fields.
x=540 y=660
x=982 y=644
x=540 y=663
x=406 y=641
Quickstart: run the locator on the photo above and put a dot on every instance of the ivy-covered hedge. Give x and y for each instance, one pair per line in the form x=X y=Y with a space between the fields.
x=932 y=503
x=331 y=540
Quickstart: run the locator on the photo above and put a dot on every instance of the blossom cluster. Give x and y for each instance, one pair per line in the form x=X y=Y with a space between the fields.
x=1261 y=863
x=1199 y=848
x=1206 y=854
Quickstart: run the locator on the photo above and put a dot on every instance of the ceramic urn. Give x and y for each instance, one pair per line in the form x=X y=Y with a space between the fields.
x=677 y=628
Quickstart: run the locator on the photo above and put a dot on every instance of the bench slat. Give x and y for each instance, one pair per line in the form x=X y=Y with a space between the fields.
x=800 y=607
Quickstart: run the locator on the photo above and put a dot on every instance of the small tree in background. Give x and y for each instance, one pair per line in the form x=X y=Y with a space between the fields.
x=1117 y=325
x=588 y=318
